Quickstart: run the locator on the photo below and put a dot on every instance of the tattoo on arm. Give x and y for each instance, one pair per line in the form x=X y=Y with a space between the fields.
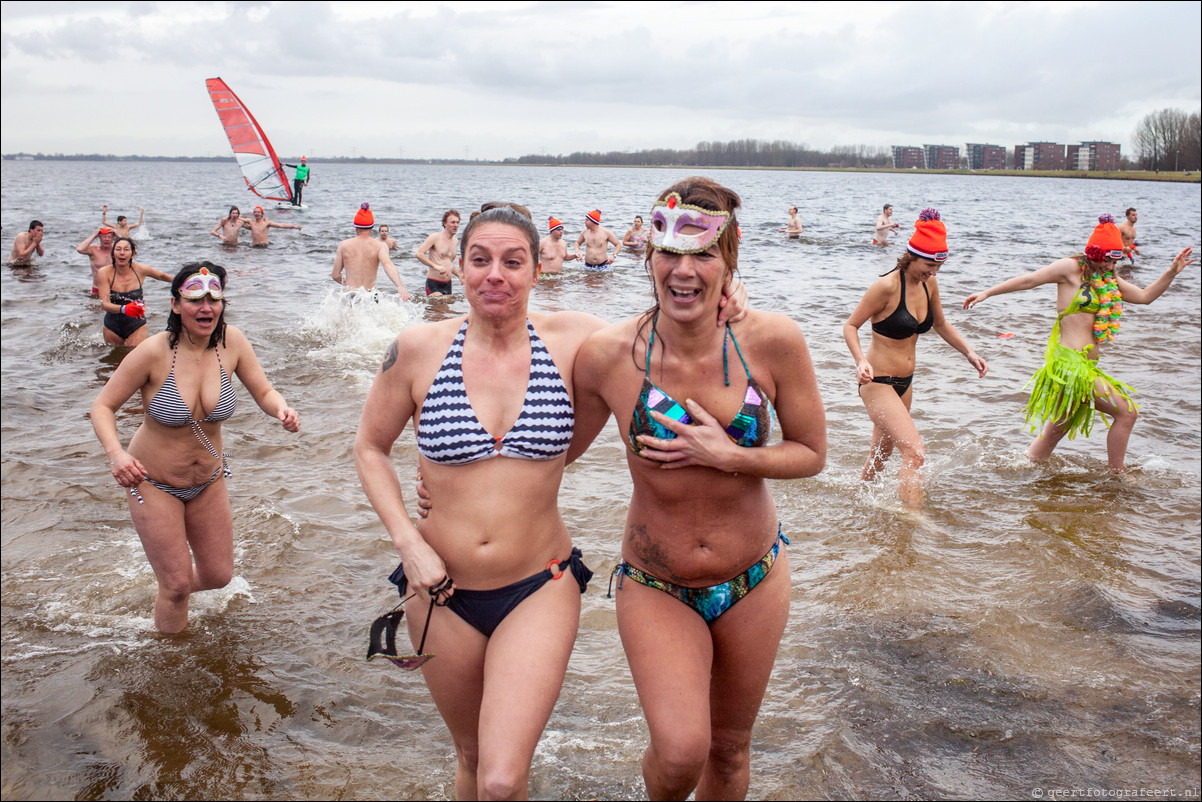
x=389 y=358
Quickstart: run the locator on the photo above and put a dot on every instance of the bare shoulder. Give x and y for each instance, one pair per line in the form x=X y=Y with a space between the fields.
x=768 y=330
x=581 y=323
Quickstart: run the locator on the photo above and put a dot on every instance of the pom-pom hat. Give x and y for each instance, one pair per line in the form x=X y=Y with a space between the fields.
x=364 y=218
x=595 y=216
x=1106 y=242
x=552 y=224
x=930 y=237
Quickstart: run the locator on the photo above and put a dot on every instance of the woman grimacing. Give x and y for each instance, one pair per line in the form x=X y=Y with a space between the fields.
x=119 y=286
x=1070 y=390
x=703 y=589
x=174 y=467
x=885 y=374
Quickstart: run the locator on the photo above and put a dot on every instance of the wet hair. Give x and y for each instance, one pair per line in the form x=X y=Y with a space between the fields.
x=175 y=324
x=887 y=206
x=133 y=247
x=708 y=194
x=510 y=214
x=904 y=261
x=35 y=224
x=232 y=210
x=448 y=213
x=638 y=217
x=121 y=217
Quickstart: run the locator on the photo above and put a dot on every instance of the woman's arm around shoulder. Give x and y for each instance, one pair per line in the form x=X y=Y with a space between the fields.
x=245 y=364
x=597 y=356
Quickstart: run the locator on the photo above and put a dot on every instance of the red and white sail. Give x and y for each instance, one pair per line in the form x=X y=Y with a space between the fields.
x=260 y=166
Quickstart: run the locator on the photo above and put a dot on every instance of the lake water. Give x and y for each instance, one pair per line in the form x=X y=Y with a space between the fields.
x=1033 y=629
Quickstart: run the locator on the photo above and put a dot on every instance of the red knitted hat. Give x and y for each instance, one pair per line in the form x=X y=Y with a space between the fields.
x=1105 y=238
x=364 y=218
x=930 y=236
x=595 y=216
x=553 y=224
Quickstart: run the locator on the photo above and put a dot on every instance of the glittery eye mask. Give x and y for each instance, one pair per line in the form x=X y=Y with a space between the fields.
x=670 y=216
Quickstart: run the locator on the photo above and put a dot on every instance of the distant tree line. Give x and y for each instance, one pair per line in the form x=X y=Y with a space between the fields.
x=1169 y=139
x=736 y=153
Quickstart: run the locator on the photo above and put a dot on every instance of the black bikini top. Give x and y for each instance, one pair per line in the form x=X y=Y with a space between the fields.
x=901 y=325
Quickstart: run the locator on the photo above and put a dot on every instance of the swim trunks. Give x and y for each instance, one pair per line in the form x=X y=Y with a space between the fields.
x=598 y=268
x=440 y=287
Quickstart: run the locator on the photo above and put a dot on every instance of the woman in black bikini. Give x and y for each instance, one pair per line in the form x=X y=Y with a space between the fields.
x=120 y=292
x=902 y=304
x=174 y=468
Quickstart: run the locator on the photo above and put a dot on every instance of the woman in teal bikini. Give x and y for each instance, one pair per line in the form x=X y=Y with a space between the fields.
x=703 y=589
x=174 y=467
x=1070 y=390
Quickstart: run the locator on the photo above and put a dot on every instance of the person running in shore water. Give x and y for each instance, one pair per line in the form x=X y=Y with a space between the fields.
x=793 y=228
x=361 y=257
x=122 y=227
x=119 y=286
x=596 y=240
x=1070 y=390
x=635 y=237
x=885 y=374
x=174 y=468
x=228 y=227
x=885 y=226
x=26 y=244
x=300 y=180
x=553 y=248
x=258 y=225
x=99 y=253
x=1127 y=230
x=437 y=253
x=386 y=239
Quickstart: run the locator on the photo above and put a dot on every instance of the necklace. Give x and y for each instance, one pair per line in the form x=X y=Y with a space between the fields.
x=193 y=342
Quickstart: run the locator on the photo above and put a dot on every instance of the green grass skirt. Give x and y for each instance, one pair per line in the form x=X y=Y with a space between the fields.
x=1064 y=390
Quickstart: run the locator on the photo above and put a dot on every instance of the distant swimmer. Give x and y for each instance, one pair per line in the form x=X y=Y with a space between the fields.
x=300 y=180
x=437 y=253
x=793 y=227
x=361 y=258
x=1127 y=231
x=122 y=227
x=885 y=226
x=552 y=249
x=596 y=240
x=258 y=225
x=635 y=237
x=386 y=239
x=227 y=228
x=26 y=244
x=98 y=253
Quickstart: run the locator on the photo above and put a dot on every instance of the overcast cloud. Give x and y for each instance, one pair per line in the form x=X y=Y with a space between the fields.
x=493 y=80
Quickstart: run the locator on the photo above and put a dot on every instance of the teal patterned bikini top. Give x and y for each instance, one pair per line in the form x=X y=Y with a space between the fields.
x=751 y=427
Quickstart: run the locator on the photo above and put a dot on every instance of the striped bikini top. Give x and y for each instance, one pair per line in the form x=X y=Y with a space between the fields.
x=448 y=431
x=168 y=407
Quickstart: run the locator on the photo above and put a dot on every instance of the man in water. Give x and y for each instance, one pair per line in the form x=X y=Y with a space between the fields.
x=1127 y=230
x=99 y=254
x=300 y=180
x=258 y=225
x=596 y=240
x=793 y=228
x=438 y=254
x=26 y=243
x=227 y=228
x=552 y=250
x=885 y=226
x=361 y=258
x=386 y=239
x=122 y=226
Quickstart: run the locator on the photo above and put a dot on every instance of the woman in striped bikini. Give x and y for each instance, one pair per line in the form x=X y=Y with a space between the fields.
x=174 y=468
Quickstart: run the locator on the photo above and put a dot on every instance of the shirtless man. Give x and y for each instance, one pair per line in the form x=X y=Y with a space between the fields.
x=26 y=243
x=438 y=254
x=1127 y=230
x=885 y=226
x=387 y=240
x=361 y=258
x=258 y=225
x=793 y=228
x=552 y=250
x=99 y=254
x=227 y=228
x=596 y=240
x=121 y=228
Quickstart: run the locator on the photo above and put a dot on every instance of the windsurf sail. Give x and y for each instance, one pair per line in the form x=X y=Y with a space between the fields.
x=260 y=166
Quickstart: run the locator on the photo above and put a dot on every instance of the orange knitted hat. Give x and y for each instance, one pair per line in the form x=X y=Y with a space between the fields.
x=552 y=224
x=930 y=236
x=595 y=216
x=364 y=218
x=1105 y=238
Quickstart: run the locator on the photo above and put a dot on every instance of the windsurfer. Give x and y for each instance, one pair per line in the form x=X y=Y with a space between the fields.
x=258 y=225
x=227 y=228
x=299 y=181
x=358 y=260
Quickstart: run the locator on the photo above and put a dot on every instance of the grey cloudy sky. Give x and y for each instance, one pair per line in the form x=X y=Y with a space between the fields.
x=491 y=80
